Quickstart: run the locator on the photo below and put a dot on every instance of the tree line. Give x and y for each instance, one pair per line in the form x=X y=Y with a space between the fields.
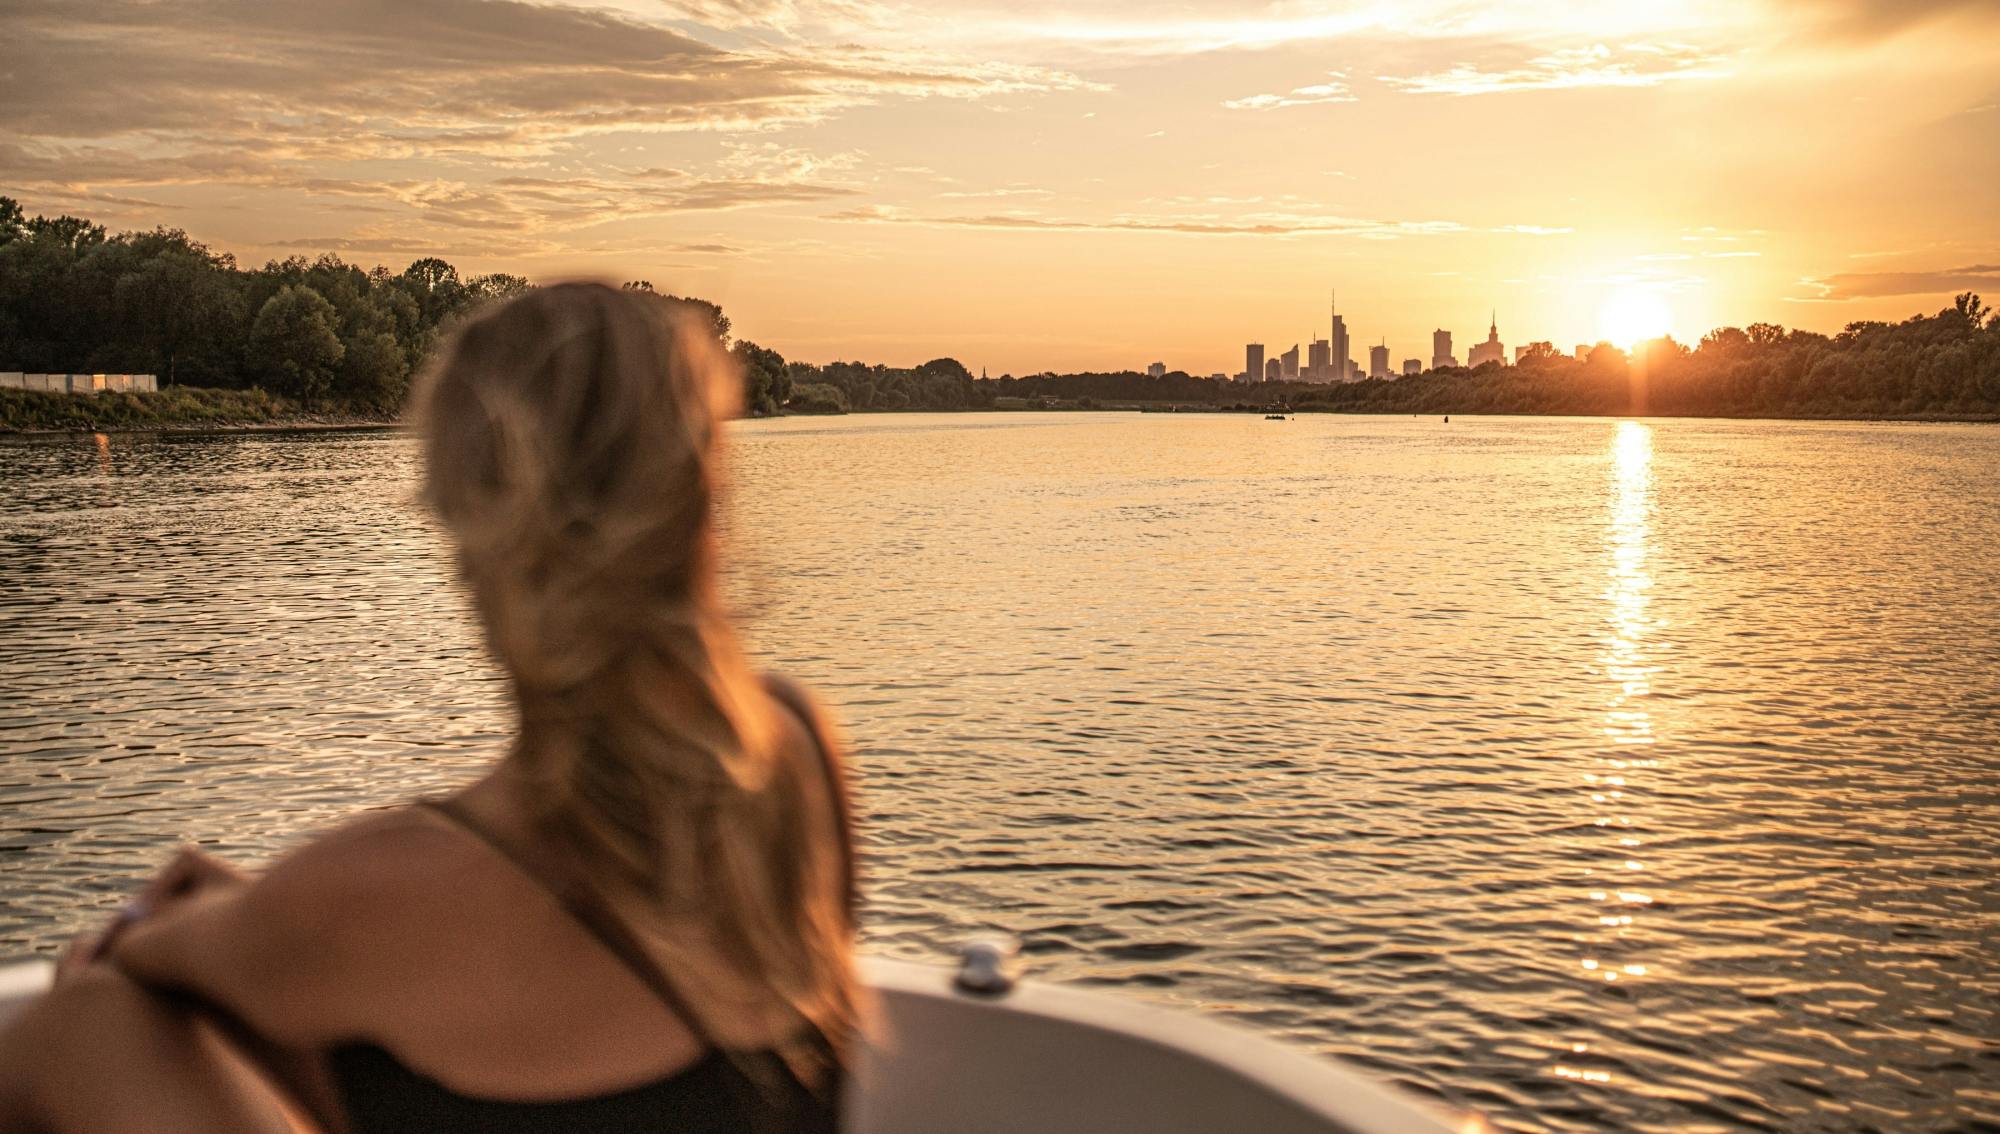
x=321 y=333
x=1947 y=364
x=326 y=334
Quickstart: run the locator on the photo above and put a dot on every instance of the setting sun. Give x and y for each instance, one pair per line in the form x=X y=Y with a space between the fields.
x=1632 y=315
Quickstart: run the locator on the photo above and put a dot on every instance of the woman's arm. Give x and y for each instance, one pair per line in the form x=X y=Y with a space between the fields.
x=284 y=953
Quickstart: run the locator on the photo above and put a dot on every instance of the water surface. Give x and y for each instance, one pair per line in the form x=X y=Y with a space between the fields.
x=1593 y=774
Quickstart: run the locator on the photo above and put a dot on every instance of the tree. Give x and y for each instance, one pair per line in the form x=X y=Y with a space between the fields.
x=293 y=345
x=1971 y=310
x=374 y=372
x=767 y=383
x=13 y=222
x=947 y=368
x=708 y=312
x=74 y=233
x=1725 y=341
x=178 y=299
x=498 y=285
x=433 y=283
x=817 y=397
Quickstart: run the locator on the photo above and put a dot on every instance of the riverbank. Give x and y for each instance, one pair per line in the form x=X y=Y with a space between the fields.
x=177 y=409
x=187 y=409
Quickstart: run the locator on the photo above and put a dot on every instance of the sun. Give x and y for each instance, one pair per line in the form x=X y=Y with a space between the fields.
x=1630 y=315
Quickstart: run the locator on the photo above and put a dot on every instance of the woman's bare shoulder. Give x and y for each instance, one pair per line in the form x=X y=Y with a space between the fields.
x=398 y=865
x=381 y=849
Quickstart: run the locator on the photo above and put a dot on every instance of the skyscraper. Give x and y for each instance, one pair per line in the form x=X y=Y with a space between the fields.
x=1272 y=371
x=1253 y=362
x=1337 y=337
x=1489 y=351
x=1318 y=356
x=1441 y=350
x=1378 y=361
x=1412 y=366
x=1156 y=370
x=1288 y=367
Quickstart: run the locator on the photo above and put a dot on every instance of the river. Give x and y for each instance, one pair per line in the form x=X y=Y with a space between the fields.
x=1593 y=774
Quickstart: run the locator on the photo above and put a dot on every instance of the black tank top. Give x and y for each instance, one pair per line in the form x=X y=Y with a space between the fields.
x=726 y=1091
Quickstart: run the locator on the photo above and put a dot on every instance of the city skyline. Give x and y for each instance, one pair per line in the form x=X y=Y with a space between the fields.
x=1030 y=187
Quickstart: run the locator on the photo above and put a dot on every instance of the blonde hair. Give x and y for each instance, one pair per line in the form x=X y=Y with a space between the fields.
x=572 y=443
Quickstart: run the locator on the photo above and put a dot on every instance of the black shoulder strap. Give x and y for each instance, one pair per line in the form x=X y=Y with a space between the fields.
x=794 y=698
x=592 y=914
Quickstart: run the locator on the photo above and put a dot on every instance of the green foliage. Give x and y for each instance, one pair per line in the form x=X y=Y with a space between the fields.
x=76 y=299
x=294 y=346
x=13 y=222
x=939 y=384
x=767 y=382
x=181 y=405
x=817 y=397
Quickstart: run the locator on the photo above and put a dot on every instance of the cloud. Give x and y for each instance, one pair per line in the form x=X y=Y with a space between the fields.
x=1872 y=285
x=1876 y=19
x=1314 y=95
x=1630 y=65
x=483 y=73
x=1263 y=224
x=500 y=105
x=1012 y=191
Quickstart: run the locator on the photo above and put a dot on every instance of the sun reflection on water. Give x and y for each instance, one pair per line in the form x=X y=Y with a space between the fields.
x=1627 y=721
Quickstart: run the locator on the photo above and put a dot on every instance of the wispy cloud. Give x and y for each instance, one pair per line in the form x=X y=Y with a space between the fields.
x=1313 y=95
x=1255 y=225
x=496 y=101
x=1597 y=65
x=1872 y=285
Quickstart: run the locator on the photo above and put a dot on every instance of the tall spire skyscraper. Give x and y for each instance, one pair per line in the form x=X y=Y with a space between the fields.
x=1336 y=341
x=1491 y=350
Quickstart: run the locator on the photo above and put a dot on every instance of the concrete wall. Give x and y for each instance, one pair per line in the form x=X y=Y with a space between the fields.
x=78 y=383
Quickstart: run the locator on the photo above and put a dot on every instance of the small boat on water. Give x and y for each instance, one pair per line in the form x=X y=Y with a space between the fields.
x=976 y=1052
x=1276 y=417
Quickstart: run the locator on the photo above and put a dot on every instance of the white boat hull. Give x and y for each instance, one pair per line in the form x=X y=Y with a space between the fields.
x=1046 y=1059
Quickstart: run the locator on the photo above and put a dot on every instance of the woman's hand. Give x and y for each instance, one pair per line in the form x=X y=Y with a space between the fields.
x=192 y=871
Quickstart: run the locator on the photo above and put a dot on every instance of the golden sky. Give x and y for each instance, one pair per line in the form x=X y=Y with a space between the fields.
x=1060 y=185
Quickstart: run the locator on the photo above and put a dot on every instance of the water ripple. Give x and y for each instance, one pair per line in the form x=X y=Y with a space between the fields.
x=1595 y=775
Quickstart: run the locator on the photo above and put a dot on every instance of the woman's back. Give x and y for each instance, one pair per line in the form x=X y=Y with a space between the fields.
x=533 y=1007
x=646 y=905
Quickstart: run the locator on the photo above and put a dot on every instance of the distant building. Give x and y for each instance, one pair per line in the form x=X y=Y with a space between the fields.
x=1412 y=366
x=1378 y=361
x=1218 y=376
x=1253 y=362
x=1520 y=352
x=1343 y=361
x=1318 y=356
x=1156 y=370
x=1273 y=370
x=1352 y=371
x=1441 y=350
x=1583 y=352
x=1489 y=351
x=1288 y=364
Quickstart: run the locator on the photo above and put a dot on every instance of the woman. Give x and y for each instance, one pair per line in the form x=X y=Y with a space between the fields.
x=640 y=918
